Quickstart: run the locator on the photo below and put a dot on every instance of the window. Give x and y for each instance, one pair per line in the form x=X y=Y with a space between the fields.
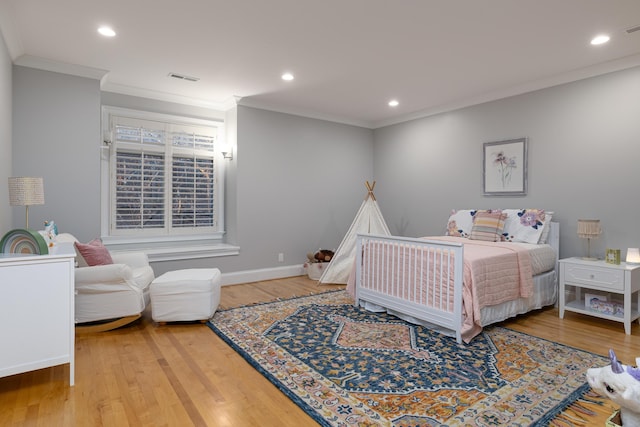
x=162 y=182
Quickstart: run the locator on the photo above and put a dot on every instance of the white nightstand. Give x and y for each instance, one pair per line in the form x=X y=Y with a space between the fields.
x=617 y=282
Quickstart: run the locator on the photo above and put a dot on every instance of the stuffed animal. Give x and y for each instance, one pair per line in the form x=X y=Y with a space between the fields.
x=621 y=384
x=323 y=255
x=452 y=229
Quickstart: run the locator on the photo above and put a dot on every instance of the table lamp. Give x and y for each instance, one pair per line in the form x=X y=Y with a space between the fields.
x=26 y=191
x=589 y=229
x=633 y=256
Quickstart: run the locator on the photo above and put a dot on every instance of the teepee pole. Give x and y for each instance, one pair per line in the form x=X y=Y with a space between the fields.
x=370 y=188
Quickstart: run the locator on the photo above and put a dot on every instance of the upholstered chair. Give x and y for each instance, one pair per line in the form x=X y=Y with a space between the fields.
x=111 y=295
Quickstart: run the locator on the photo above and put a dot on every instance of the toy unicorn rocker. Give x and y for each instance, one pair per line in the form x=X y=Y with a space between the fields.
x=621 y=384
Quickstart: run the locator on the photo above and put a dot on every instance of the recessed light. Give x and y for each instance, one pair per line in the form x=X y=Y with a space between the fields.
x=287 y=77
x=600 y=39
x=393 y=103
x=107 y=31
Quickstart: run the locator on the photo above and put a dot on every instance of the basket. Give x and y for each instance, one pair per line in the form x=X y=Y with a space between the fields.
x=315 y=269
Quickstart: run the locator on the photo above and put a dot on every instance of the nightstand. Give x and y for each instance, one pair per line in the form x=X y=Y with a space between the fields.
x=617 y=283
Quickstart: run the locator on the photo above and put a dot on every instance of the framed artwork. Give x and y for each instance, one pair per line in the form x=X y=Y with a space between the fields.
x=505 y=167
x=612 y=256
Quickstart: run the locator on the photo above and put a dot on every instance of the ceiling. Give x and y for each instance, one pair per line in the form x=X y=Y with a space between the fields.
x=349 y=57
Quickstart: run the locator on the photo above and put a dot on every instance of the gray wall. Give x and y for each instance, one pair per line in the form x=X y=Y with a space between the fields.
x=293 y=187
x=296 y=185
x=56 y=135
x=584 y=156
x=6 y=212
x=305 y=185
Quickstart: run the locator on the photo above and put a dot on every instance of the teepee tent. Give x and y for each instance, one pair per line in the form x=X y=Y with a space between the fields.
x=368 y=220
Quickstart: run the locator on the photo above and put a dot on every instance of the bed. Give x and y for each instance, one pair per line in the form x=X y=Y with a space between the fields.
x=497 y=265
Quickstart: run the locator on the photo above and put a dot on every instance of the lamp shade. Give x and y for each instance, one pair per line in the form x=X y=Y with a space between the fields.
x=589 y=228
x=633 y=256
x=26 y=191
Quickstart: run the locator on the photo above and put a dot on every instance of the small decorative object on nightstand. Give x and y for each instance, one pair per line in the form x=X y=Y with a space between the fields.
x=614 y=289
x=633 y=256
x=613 y=256
x=589 y=229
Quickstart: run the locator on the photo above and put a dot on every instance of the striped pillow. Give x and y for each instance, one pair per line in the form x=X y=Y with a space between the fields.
x=488 y=226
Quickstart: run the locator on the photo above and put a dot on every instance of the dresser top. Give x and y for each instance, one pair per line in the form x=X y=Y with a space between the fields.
x=599 y=263
x=59 y=250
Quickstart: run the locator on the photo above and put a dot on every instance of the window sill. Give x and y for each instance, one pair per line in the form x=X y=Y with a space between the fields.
x=172 y=249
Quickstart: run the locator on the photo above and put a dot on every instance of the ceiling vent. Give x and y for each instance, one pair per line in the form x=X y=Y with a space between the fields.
x=183 y=77
x=633 y=29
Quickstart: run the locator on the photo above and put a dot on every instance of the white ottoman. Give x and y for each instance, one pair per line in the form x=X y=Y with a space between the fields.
x=185 y=295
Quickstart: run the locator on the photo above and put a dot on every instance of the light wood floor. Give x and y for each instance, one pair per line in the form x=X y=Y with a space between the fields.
x=183 y=374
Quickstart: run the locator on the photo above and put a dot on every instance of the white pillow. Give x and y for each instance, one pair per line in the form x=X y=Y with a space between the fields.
x=460 y=223
x=525 y=225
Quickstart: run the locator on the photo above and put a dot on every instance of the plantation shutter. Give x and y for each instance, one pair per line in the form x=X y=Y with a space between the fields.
x=193 y=177
x=163 y=176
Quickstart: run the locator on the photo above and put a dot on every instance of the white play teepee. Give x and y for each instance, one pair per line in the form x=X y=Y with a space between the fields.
x=368 y=220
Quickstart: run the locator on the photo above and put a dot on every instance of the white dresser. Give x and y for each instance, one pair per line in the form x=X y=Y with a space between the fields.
x=37 y=311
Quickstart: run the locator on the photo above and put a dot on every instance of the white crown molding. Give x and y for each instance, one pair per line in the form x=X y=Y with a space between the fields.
x=60 y=67
x=167 y=97
x=571 y=76
x=248 y=102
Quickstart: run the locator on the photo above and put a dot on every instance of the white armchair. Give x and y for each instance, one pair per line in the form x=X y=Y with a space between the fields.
x=110 y=296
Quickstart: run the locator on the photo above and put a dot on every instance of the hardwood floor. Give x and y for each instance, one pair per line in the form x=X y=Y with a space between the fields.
x=183 y=374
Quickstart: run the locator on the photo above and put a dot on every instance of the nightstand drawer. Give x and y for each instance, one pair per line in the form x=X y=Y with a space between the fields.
x=608 y=278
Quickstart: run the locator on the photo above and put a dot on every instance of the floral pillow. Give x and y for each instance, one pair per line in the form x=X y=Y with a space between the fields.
x=460 y=223
x=525 y=225
x=488 y=225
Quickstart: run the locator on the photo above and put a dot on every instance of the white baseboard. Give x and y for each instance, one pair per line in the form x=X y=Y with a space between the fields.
x=249 y=276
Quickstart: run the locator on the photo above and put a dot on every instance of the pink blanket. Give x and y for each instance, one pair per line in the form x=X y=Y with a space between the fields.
x=494 y=273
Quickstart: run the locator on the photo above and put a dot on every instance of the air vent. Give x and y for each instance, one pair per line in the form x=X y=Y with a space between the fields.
x=633 y=29
x=183 y=77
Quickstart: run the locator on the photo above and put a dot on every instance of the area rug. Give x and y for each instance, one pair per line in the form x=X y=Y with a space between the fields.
x=346 y=366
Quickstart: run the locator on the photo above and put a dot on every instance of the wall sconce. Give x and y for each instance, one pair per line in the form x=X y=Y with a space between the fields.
x=633 y=256
x=589 y=229
x=26 y=191
x=227 y=152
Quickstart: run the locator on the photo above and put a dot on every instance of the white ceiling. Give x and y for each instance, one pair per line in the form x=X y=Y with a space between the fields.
x=349 y=57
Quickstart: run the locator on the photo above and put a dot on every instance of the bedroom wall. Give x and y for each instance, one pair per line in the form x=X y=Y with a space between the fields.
x=295 y=183
x=584 y=153
x=56 y=135
x=6 y=212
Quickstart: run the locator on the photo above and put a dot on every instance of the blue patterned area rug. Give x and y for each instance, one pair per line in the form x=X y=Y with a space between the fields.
x=346 y=366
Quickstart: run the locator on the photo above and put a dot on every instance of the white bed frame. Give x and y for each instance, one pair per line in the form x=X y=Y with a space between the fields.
x=439 y=307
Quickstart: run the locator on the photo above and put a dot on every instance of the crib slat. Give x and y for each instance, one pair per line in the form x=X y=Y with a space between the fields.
x=415 y=277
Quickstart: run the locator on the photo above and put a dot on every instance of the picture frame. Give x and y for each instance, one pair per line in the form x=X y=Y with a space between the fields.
x=612 y=256
x=505 y=167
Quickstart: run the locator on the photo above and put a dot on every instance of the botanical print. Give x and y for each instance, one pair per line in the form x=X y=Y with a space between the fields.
x=505 y=167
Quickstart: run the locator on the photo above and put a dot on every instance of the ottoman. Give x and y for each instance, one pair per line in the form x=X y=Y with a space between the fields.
x=185 y=295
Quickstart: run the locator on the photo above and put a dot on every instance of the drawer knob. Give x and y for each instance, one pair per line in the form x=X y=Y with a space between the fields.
x=591 y=276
